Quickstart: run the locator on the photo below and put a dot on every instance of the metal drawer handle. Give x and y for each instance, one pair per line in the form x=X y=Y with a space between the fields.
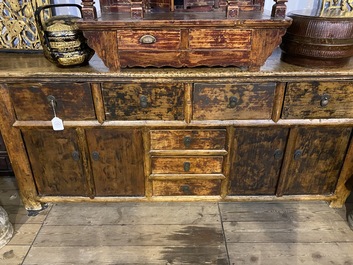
x=324 y=100
x=147 y=39
x=187 y=141
x=185 y=189
x=187 y=166
x=75 y=156
x=298 y=154
x=143 y=101
x=95 y=155
x=233 y=101
x=278 y=154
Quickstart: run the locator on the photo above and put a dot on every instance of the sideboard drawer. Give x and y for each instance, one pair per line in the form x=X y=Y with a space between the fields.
x=149 y=39
x=233 y=102
x=188 y=139
x=187 y=187
x=315 y=100
x=143 y=101
x=73 y=101
x=187 y=164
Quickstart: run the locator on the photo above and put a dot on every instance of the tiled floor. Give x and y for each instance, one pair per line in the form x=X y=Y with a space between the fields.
x=176 y=233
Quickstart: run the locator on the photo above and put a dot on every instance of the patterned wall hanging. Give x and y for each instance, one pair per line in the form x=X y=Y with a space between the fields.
x=18 y=30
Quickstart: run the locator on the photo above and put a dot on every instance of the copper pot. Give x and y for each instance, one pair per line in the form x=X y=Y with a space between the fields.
x=317 y=41
x=63 y=43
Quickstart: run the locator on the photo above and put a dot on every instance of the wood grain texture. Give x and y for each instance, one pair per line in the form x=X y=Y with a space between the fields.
x=164 y=40
x=130 y=213
x=345 y=182
x=17 y=152
x=278 y=101
x=55 y=169
x=315 y=170
x=188 y=139
x=257 y=160
x=117 y=161
x=98 y=102
x=251 y=101
x=73 y=101
x=163 y=101
x=100 y=42
x=304 y=100
x=220 y=39
x=186 y=187
x=197 y=165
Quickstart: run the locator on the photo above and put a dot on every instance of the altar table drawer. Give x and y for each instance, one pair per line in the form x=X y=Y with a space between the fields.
x=149 y=39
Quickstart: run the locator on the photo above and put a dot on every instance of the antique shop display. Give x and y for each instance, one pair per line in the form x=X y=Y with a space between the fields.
x=18 y=29
x=186 y=33
x=63 y=43
x=320 y=37
x=168 y=134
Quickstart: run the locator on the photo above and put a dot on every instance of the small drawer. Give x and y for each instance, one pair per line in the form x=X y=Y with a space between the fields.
x=186 y=187
x=187 y=165
x=149 y=39
x=318 y=100
x=188 y=139
x=73 y=101
x=233 y=102
x=220 y=39
x=143 y=101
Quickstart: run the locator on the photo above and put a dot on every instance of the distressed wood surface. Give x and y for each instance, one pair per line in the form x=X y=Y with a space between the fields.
x=17 y=152
x=188 y=139
x=163 y=101
x=234 y=42
x=55 y=169
x=186 y=187
x=197 y=165
x=118 y=164
x=315 y=170
x=252 y=101
x=257 y=159
x=73 y=101
x=304 y=100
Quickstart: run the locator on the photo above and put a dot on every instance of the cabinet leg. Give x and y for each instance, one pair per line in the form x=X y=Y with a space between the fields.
x=36 y=212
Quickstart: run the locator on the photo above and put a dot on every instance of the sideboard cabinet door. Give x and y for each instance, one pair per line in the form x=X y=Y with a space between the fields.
x=117 y=161
x=56 y=162
x=257 y=159
x=316 y=160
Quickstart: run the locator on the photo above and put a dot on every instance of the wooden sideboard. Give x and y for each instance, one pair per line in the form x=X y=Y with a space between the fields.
x=148 y=134
x=5 y=165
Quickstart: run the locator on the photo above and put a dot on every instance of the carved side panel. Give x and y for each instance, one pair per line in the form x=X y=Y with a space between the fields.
x=18 y=30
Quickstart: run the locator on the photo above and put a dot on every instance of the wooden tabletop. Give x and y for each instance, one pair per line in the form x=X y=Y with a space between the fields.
x=23 y=66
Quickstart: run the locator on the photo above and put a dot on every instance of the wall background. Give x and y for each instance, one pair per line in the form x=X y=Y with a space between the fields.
x=291 y=5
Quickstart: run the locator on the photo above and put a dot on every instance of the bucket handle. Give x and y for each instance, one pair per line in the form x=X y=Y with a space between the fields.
x=40 y=22
x=41 y=8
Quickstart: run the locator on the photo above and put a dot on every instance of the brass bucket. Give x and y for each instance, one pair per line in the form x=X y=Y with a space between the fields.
x=63 y=43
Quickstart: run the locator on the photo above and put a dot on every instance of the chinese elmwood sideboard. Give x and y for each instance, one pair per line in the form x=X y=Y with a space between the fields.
x=148 y=134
